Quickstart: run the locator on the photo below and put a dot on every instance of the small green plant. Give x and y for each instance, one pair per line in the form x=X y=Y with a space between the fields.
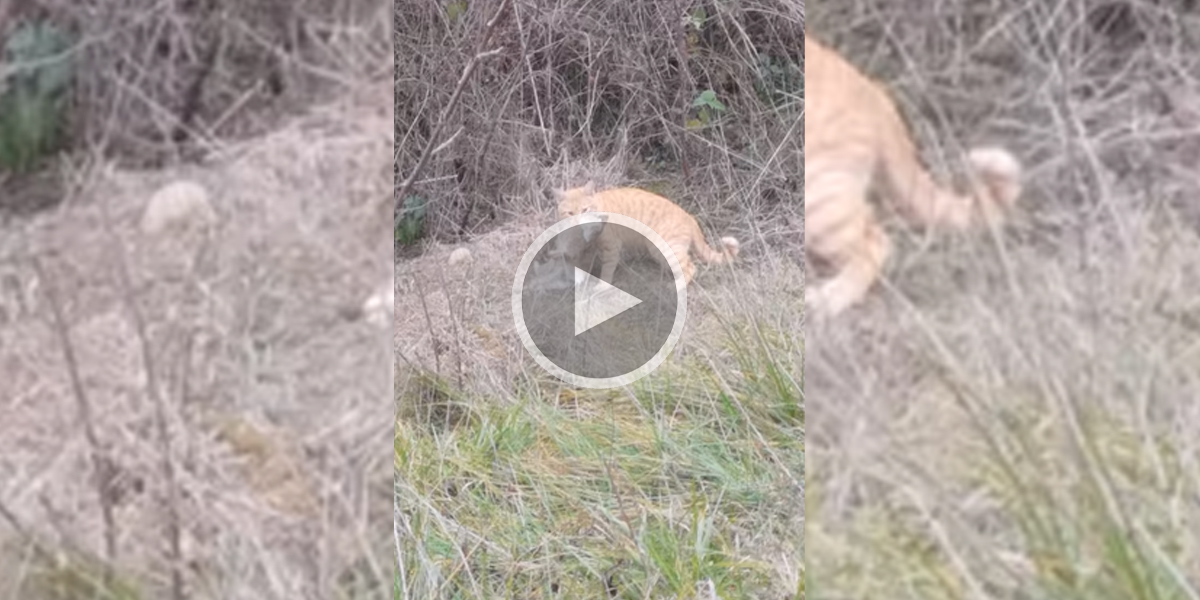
x=707 y=106
x=34 y=82
x=410 y=223
x=779 y=80
x=696 y=19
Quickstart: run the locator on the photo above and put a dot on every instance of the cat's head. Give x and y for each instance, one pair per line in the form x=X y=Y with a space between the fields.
x=576 y=200
x=575 y=240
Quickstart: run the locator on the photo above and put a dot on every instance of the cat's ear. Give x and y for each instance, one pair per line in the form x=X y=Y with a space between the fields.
x=589 y=188
x=558 y=194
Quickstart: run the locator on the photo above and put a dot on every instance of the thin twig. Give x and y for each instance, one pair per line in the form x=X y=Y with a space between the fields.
x=454 y=321
x=433 y=341
x=462 y=82
x=396 y=516
x=533 y=84
x=450 y=140
x=481 y=158
x=101 y=463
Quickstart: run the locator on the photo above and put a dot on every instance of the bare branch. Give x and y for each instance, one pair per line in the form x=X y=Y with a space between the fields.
x=446 y=144
x=462 y=81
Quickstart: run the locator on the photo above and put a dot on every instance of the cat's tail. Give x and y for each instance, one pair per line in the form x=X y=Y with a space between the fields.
x=728 y=252
x=995 y=186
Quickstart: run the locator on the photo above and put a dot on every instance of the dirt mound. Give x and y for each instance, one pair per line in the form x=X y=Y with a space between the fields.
x=457 y=320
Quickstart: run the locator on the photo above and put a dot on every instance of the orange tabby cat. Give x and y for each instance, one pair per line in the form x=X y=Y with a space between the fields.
x=676 y=227
x=853 y=134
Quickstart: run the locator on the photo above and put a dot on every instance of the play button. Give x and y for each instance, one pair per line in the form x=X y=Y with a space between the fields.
x=594 y=333
x=596 y=301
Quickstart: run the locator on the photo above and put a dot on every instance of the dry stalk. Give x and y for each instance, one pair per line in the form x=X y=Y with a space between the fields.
x=462 y=81
x=101 y=462
x=174 y=528
x=537 y=101
x=433 y=342
x=481 y=161
x=399 y=546
x=458 y=345
x=622 y=509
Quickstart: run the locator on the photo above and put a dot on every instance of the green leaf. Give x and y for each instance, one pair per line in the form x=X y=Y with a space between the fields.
x=708 y=98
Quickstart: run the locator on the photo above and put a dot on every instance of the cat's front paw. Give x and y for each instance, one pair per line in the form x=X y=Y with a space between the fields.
x=816 y=304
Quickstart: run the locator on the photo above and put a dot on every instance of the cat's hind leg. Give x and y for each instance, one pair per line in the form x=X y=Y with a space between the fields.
x=859 y=269
x=841 y=229
x=681 y=255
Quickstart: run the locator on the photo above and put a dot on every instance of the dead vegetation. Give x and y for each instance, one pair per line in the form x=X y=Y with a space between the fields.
x=229 y=409
x=160 y=82
x=588 y=83
x=188 y=411
x=1005 y=417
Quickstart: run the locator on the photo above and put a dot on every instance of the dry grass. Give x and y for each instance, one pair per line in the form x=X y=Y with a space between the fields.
x=687 y=483
x=159 y=79
x=510 y=484
x=593 y=82
x=1011 y=416
x=194 y=415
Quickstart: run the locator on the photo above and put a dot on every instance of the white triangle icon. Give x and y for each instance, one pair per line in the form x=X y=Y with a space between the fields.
x=597 y=301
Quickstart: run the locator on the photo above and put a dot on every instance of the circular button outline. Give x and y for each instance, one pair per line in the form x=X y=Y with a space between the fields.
x=600 y=383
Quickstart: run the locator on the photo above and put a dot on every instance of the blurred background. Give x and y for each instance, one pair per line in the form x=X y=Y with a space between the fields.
x=193 y=199
x=1011 y=414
